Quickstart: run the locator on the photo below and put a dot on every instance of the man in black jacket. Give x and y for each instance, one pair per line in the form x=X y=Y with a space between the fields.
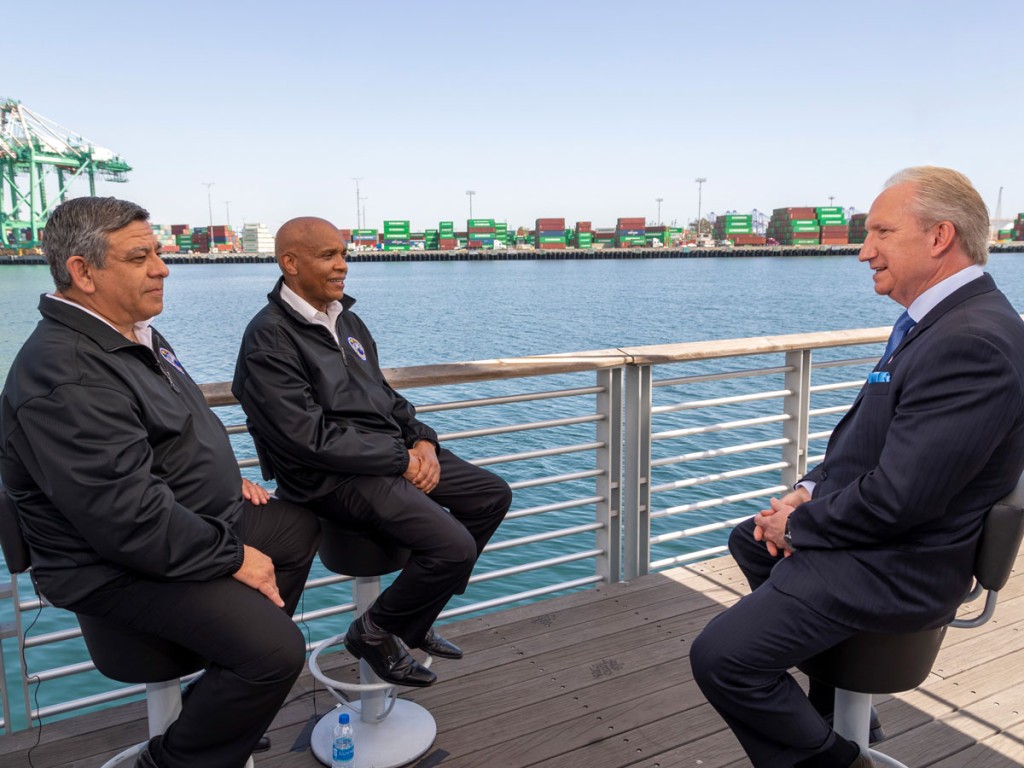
x=129 y=493
x=342 y=442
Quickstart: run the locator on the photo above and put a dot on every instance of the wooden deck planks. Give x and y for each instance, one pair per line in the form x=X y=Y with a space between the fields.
x=600 y=679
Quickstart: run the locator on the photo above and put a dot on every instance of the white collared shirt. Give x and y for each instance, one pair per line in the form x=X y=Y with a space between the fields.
x=930 y=299
x=311 y=314
x=143 y=331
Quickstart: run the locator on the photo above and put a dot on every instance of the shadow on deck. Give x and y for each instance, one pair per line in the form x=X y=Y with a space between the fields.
x=600 y=679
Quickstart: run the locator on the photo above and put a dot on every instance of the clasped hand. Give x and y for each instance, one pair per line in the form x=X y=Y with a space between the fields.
x=424 y=470
x=770 y=524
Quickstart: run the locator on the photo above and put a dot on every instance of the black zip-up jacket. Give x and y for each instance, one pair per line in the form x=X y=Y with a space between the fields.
x=114 y=460
x=318 y=412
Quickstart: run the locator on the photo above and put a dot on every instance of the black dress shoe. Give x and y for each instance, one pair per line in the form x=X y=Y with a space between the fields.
x=876 y=734
x=263 y=744
x=436 y=645
x=387 y=657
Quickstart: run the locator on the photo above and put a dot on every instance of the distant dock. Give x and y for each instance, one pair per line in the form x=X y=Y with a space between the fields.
x=511 y=254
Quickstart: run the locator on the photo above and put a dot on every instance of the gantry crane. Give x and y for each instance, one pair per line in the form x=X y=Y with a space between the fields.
x=32 y=146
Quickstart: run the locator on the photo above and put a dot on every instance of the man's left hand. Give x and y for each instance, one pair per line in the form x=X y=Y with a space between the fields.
x=256 y=494
x=770 y=526
x=427 y=473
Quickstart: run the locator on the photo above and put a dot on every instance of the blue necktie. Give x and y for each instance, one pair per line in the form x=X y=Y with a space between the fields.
x=899 y=332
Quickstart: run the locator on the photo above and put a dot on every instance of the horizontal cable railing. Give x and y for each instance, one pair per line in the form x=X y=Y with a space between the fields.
x=719 y=421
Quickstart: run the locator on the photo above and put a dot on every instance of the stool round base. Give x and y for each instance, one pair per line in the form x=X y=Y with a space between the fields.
x=881 y=759
x=406 y=734
x=128 y=758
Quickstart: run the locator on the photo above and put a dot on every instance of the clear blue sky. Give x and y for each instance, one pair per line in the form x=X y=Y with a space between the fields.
x=587 y=110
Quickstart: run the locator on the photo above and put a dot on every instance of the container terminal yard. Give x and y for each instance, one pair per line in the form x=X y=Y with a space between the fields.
x=34 y=149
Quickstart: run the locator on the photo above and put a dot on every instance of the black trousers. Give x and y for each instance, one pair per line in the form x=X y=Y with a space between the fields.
x=255 y=649
x=741 y=662
x=445 y=531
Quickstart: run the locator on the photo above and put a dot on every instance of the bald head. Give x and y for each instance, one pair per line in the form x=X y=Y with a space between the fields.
x=311 y=255
x=299 y=233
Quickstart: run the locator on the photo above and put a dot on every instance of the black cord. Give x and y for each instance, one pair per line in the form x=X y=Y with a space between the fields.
x=35 y=678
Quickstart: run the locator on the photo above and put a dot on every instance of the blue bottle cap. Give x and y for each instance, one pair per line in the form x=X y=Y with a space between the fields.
x=343 y=718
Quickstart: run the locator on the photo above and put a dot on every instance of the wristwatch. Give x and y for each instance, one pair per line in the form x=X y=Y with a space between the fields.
x=787 y=535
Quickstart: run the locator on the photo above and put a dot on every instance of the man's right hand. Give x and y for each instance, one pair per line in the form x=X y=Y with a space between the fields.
x=257 y=571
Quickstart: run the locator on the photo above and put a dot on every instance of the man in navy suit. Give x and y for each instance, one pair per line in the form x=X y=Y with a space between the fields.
x=880 y=536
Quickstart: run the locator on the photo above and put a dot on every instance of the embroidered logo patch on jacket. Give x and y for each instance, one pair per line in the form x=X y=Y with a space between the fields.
x=357 y=347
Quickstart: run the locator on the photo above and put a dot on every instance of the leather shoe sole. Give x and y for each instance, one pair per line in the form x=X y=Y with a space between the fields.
x=436 y=645
x=387 y=657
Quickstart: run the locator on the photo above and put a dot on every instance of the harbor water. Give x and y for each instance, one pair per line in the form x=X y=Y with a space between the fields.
x=439 y=312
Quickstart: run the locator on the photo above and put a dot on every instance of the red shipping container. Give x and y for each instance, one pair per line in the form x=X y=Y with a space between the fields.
x=549 y=224
x=584 y=226
x=632 y=223
x=481 y=230
x=551 y=246
x=180 y=229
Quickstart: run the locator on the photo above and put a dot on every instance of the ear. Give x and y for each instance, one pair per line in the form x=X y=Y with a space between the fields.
x=288 y=263
x=943 y=235
x=82 y=277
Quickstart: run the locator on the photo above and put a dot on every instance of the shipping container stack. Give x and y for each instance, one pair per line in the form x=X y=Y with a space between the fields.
x=629 y=232
x=396 y=235
x=200 y=240
x=165 y=236
x=549 y=234
x=656 y=235
x=584 y=235
x=794 y=226
x=738 y=228
x=834 y=229
x=480 y=233
x=430 y=239
x=858 y=228
x=604 y=238
x=446 y=236
x=364 y=239
x=501 y=233
x=224 y=239
x=182 y=237
x=1018 y=228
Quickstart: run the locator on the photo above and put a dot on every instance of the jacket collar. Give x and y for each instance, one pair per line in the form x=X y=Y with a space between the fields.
x=81 y=321
x=275 y=298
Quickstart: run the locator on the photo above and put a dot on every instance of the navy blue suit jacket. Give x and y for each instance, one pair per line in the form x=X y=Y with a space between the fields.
x=887 y=542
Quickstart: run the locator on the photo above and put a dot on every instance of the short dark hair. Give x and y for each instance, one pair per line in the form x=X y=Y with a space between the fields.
x=79 y=227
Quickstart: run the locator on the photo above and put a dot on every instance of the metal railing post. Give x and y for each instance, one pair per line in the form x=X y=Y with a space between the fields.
x=609 y=482
x=636 y=493
x=796 y=406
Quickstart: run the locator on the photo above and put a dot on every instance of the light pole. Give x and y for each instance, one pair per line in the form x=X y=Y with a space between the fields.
x=227 y=212
x=470 y=192
x=363 y=201
x=659 y=201
x=830 y=199
x=209 y=203
x=700 y=184
x=357 y=179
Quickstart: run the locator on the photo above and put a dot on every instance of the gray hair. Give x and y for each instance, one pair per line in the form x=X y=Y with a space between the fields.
x=79 y=227
x=943 y=194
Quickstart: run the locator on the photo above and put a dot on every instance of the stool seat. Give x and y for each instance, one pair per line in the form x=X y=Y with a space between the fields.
x=130 y=656
x=872 y=662
x=389 y=731
x=355 y=552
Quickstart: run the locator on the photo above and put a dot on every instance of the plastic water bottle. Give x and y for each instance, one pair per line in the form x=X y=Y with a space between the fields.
x=343 y=751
